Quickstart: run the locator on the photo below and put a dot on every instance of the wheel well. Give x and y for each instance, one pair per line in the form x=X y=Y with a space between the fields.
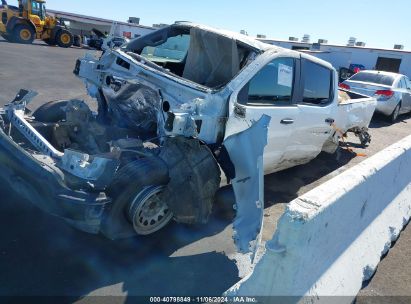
x=15 y=21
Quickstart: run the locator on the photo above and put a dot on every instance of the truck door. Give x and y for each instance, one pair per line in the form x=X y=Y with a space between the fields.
x=317 y=105
x=270 y=92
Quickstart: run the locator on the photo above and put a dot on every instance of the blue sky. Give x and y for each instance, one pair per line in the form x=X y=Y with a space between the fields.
x=380 y=23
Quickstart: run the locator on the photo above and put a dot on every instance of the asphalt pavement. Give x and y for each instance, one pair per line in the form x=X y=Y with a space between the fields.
x=41 y=255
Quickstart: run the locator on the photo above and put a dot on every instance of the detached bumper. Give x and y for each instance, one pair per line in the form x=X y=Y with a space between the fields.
x=46 y=188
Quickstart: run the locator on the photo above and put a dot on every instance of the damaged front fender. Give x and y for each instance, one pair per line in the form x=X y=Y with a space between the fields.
x=246 y=151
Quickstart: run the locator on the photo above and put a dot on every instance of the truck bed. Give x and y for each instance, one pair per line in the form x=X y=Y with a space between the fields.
x=354 y=110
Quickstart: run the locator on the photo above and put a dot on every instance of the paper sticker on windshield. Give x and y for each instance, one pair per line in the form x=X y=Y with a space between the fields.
x=285 y=75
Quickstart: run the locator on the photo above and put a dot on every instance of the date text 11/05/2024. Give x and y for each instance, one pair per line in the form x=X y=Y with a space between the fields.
x=200 y=299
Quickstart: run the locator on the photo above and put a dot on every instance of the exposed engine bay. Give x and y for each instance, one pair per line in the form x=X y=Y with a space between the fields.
x=91 y=151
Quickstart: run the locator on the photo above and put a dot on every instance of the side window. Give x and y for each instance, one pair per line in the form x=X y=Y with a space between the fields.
x=318 y=83
x=408 y=83
x=400 y=83
x=272 y=85
x=35 y=8
x=403 y=83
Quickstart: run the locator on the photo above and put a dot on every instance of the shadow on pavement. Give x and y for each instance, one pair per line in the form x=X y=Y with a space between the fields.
x=41 y=255
x=381 y=121
x=284 y=186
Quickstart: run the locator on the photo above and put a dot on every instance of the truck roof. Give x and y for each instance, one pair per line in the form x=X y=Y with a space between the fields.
x=247 y=40
x=233 y=35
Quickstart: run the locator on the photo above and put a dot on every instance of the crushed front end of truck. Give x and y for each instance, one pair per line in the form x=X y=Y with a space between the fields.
x=154 y=150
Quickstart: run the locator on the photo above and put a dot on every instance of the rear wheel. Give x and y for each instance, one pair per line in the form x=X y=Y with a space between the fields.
x=64 y=39
x=365 y=138
x=394 y=116
x=23 y=33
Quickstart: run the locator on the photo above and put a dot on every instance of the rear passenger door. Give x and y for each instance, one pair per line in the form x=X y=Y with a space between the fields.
x=317 y=109
x=270 y=91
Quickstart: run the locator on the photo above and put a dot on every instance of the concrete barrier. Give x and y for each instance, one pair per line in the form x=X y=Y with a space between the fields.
x=332 y=238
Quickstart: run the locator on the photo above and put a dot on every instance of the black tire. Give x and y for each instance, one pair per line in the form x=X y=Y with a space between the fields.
x=128 y=191
x=52 y=111
x=77 y=41
x=394 y=115
x=23 y=33
x=64 y=39
x=365 y=138
x=50 y=41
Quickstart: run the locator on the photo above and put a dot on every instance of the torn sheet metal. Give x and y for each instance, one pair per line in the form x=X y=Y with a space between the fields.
x=246 y=153
x=133 y=105
x=355 y=112
x=98 y=171
x=16 y=114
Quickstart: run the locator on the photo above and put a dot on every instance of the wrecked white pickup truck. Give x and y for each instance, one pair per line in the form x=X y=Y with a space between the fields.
x=175 y=109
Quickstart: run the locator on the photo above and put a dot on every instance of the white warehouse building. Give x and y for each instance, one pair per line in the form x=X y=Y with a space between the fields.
x=354 y=53
x=82 y=25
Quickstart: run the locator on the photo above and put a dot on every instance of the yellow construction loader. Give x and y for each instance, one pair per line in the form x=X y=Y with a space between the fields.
x=29 y=21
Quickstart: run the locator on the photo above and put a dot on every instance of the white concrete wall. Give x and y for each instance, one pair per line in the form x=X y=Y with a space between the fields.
x=331 y=239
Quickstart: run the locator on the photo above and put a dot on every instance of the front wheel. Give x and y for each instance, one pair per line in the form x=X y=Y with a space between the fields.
x=64 y=39
x=148 y=212
x=138 y=205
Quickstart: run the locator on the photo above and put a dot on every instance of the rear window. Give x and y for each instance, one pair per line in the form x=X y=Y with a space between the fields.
x=373 y=78
x=317 y=83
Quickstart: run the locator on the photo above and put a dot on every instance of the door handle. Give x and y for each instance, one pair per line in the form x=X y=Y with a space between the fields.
x=287 y=121
x=330 y=121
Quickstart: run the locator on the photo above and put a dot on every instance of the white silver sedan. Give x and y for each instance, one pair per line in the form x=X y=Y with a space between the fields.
x=392 y=91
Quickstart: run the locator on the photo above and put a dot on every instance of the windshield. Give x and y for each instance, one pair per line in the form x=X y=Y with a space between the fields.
x=374 y=78
x=201 y=56
x=173 y=49
x=38 y=9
